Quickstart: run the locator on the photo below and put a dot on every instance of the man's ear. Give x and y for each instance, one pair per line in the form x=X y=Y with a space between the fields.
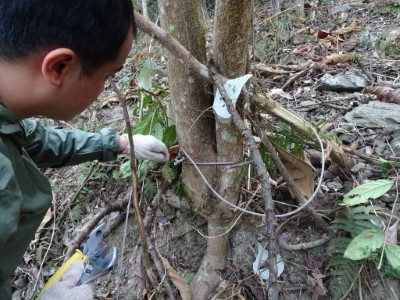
x=59 y=63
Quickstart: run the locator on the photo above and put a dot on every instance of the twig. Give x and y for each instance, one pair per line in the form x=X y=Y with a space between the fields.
x=305 y=245
x=147 y=221
x=289 y=181
x=336 y=152
x=294 y=77
x=89 y=226
x=123 y=243
x=169 y=42
x=53 y=230
x=369 y=76
x=277 y=15
x=72 y=200
x=264 y=180
x=161 y=271
x=142 y=232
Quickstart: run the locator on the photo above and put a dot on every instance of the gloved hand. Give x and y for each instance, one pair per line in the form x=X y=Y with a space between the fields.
x=147 y=147
x=66 y=289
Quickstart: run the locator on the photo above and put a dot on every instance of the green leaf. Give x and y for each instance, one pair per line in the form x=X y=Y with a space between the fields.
x=150 y=188
x=170 y=28
x=364 y=244
x=158 y=130
x=76 y=213
x=116 y=175
x=388 y=165
x=372 y=189
x=125 y=169
x=142 y=168
x=393 y=256
x=169 y=136
x=144 y=80
x=168 y=173
x=144 y=125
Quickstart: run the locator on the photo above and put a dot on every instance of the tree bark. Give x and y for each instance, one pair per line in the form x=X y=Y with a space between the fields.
x=230 y=48
x=201 y=137
x=190 y=98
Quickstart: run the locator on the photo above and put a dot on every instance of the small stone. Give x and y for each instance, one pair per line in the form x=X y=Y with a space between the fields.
x=395 y=144
x=347 y=138
x=357 y=167
x=344 y=82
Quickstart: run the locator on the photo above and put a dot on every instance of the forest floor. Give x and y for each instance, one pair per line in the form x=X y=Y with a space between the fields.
x=289 y=57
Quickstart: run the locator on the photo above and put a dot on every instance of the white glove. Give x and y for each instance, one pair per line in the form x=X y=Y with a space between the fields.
x=148 y=147
x=66 y=289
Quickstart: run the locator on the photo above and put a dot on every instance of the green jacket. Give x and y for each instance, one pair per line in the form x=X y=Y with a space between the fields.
x=25 y=193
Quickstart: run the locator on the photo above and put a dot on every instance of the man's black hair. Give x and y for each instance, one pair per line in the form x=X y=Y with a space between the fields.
x=94 y=29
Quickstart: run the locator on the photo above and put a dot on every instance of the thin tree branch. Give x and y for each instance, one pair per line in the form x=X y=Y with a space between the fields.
x=264 y=180
x=139 y=219
x=169 y=42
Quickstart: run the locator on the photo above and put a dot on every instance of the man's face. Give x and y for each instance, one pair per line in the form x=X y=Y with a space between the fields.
x=84 y=90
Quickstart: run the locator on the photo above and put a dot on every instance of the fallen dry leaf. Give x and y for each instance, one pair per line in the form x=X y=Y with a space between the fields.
x=178 y=280
x=268 y=71
x=384 y=93
x=321 y=34
x=301 y=49
x=335 y=59
x=330 y=41
x=305 y=30
x=348 y=45
x=352 y=27
x=281 y=93
x=316 y=285
x=300 y=170
x=45 y=220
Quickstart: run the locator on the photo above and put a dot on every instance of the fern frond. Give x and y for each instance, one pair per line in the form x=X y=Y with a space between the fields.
x=76 y=213
x=343 y=271
x=362 y=225
x=345 y=225
x=150 y=188
x=372 y=218
x=338 y=245
x=365 y=209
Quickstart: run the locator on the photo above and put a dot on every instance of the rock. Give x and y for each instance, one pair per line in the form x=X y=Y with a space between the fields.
x=395 y=144
x=375 y=114
x=344 y=82
x=334 y=186
x=347 y=138
x=339 y=9
x=357 y=167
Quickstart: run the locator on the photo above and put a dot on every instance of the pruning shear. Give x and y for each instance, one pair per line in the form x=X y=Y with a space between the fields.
x=97 y=262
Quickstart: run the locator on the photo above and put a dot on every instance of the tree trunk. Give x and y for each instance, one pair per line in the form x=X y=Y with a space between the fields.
x=198 y=134
x=231 y=27
x=195 y=131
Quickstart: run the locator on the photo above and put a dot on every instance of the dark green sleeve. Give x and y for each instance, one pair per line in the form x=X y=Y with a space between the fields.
x=50 y=147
